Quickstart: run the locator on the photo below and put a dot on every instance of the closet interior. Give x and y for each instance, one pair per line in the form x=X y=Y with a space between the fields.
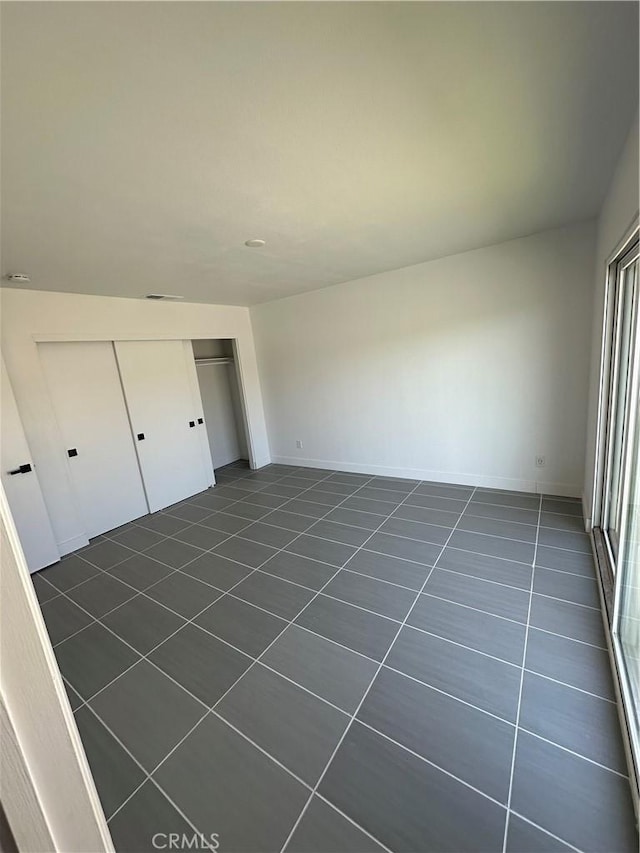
x=221 y=400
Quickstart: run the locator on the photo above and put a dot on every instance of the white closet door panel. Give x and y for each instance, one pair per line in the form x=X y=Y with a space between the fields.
x=159 y=399
x=201 y=427
x=23 y=489
x=87 y=397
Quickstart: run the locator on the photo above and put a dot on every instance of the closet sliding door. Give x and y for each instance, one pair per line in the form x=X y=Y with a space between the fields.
x=164 y=419
x=87 y=398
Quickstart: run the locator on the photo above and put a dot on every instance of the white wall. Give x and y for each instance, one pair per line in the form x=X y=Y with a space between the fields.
x=31 y=315
x=461 y=369
x=619 y=210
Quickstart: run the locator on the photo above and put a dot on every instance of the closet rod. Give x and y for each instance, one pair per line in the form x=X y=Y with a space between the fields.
x=222 y=360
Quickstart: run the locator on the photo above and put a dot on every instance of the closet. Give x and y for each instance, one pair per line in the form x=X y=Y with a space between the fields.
x=89 y=404
x=132 y=423
x=221 y=400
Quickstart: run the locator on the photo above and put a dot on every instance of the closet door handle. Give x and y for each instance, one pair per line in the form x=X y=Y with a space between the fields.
x=72 y=452
x=192 y=423
x=140 y=436
x=23 y=469
x=200 y=421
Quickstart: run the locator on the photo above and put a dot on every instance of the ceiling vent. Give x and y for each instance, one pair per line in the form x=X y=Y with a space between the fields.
x=162 y=296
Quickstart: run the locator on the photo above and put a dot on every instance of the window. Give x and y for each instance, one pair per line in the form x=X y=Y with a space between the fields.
x=618 y=524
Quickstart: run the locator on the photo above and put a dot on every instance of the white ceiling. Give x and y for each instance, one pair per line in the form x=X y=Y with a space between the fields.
x=143 y=143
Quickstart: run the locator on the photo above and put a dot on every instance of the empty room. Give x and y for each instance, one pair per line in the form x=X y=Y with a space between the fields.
x=320 y=434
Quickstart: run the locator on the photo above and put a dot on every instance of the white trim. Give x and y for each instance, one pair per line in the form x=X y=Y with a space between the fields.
x=630 y=710
x=54 y=793
x=56 y=337
x=254 y=460
x=20 y=797
x=618 y=689
x=617 y=284
x=606 y=340
x=570 y=490
x=626 y=456
x=588 y=521
x=601 y=473
x=626 y=715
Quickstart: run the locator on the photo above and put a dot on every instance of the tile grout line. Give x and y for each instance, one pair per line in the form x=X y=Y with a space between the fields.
x=330 y=509
x=188 y=524
x=400 y=536
x=572 y=686
x=212 y=512
x=210 y=709
x=141 y=656
x=316 y=484
x=229 y=592
x=144 y=657
x=570 y=751
x=430 y=762
x=289 y=622
x=223 y=593
x=256 y=660
x=435 y=523
x=299 y=779
x=352 y=821
x=220 y=699
x=142 y=592
x=366 y=693
x=342 y=711
x=284 y=548
x=147 y=778
x=391 y=513
x=524 y=661
x=173 y=571
x=436 y=496
x=546 y=831
x=339 y=709
x=238 y=534
x=149 y=775
x=137 y=593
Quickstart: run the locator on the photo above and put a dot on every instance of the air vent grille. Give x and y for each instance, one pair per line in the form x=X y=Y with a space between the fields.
x=162 y=296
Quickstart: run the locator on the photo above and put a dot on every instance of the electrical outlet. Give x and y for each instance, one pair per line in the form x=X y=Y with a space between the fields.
x=541 y=461
x=299 y=444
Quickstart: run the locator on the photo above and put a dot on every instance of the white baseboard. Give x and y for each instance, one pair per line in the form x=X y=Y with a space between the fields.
x=588 y=521
x=569 y=490
x=73 y=544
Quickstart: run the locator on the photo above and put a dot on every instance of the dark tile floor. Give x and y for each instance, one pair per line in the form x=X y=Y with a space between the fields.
x=314 y=661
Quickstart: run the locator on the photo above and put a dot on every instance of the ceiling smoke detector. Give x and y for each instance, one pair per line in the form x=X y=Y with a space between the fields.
x=162 y=296
x=19 y=278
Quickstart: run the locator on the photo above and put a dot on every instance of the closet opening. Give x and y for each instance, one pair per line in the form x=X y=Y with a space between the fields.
x=222 y=400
